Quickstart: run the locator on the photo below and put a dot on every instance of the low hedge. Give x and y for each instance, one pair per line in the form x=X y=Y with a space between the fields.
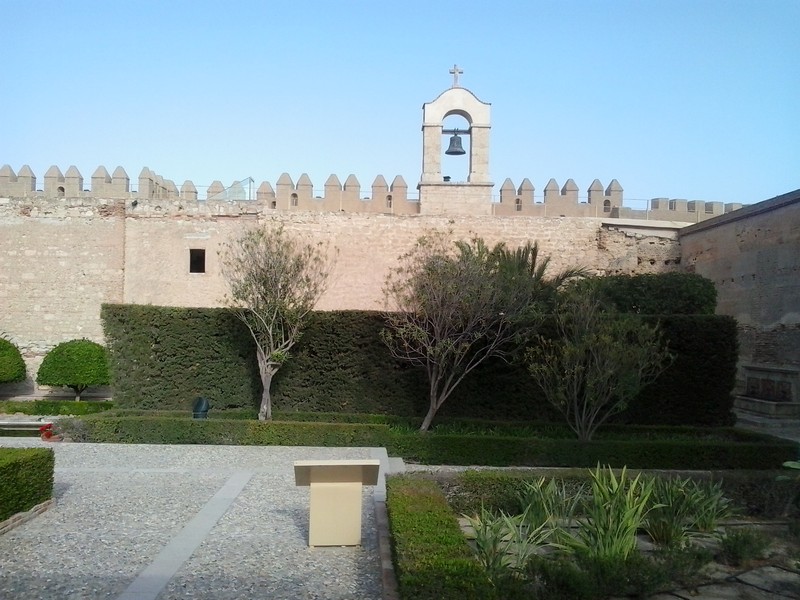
x=432 y=558
x=54 y=407
x=754 y=493
x=181 y=430
x=721 y=449
x=26 y=479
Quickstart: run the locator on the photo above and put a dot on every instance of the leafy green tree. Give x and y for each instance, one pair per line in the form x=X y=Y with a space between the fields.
x=12 y=366
x=455 y=305
x=77 y=364
x=275 y=281
x=599 y=361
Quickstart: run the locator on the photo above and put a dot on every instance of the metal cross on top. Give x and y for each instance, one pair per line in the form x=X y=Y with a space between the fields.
x=455 y=72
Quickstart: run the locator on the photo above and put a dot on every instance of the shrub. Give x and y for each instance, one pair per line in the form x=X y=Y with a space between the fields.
x=26 y=479
x=741 y=546
x=77 y=364
x=12 y=367
x=53 y=407
x=162 y=358
x=432 y=558
x=658 y=294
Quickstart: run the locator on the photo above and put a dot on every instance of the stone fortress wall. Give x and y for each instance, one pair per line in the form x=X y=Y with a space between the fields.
x=382 y=198
x=753 y=258
x=61 y=257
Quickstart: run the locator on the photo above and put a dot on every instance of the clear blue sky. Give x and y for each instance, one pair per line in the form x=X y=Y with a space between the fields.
x=689 y=99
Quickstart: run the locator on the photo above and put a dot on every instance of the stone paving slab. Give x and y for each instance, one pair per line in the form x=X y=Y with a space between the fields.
x=139 y=522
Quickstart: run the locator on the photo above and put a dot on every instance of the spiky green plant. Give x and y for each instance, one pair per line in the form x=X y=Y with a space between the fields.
x=504 y=544
x=615 y=511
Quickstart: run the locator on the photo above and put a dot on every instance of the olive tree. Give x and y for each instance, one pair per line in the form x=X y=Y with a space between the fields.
x=598 y=361
x=274 y=281
x=76 y=364
x=452 y=306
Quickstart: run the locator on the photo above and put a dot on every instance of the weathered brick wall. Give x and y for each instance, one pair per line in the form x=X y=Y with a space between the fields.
x=753 y=257
x=60 y=260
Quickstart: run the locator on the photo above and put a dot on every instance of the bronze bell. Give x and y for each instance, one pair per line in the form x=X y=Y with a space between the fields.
x=455 y=148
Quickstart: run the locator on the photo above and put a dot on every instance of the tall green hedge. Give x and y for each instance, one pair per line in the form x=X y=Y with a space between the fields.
x=164 y=357
x=658 y=294
x=697 y=388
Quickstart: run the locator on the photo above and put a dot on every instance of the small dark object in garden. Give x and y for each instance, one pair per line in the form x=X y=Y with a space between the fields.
x=200 y=408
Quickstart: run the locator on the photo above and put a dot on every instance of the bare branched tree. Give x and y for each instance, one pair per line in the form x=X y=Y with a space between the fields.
x=275 y=280
x=599 y=361
x=455 y=305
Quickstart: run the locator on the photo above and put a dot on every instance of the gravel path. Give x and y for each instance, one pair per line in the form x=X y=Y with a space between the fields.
x=146 y=522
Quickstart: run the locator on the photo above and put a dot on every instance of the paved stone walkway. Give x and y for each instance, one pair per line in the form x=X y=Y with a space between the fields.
x=144 y=522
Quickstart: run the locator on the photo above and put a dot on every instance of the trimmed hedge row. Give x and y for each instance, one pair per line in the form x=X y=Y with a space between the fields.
x=26 y=479
x=162 y=358
x=180 y=430
x=53 y=407
x=724 y=450
x=432 y=558
x=755 y=493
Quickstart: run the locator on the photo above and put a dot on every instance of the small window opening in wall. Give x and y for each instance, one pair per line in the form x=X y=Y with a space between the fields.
x=60 y=191
x=690 y=207
x=389 y=201
x=294 y=199
x=606 y=205
x=197 y=260
x=672 y=205
x=273 y=204
x=518 y=204
x=709 y=209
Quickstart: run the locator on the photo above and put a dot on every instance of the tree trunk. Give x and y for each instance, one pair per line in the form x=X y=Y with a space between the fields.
x=426 y=423
x=266 y=370
x=265 y=411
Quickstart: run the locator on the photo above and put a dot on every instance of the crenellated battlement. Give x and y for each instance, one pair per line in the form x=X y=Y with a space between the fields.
x=155 y=196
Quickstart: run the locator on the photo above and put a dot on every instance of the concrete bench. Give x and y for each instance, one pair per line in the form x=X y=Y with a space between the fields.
x=335 y=505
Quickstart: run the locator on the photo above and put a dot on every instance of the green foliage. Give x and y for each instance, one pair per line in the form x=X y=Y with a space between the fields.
x=597 y=364
x=552 y=501
x=741 y=546
x=614 y=512
x=459 y=305
x=561 y=578
x=719 y=449
x=697 y=387
x=274 y=281
x=505 y=544
x=432 y=558
x=184 y=430
x=165 y=357
x=658 y=294
x=53 y=407
x=26 y=479
x=683 y=508
x=77 y=364
x=12 y=366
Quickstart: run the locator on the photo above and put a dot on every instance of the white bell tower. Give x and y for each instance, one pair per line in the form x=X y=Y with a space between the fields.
x=440 y=197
